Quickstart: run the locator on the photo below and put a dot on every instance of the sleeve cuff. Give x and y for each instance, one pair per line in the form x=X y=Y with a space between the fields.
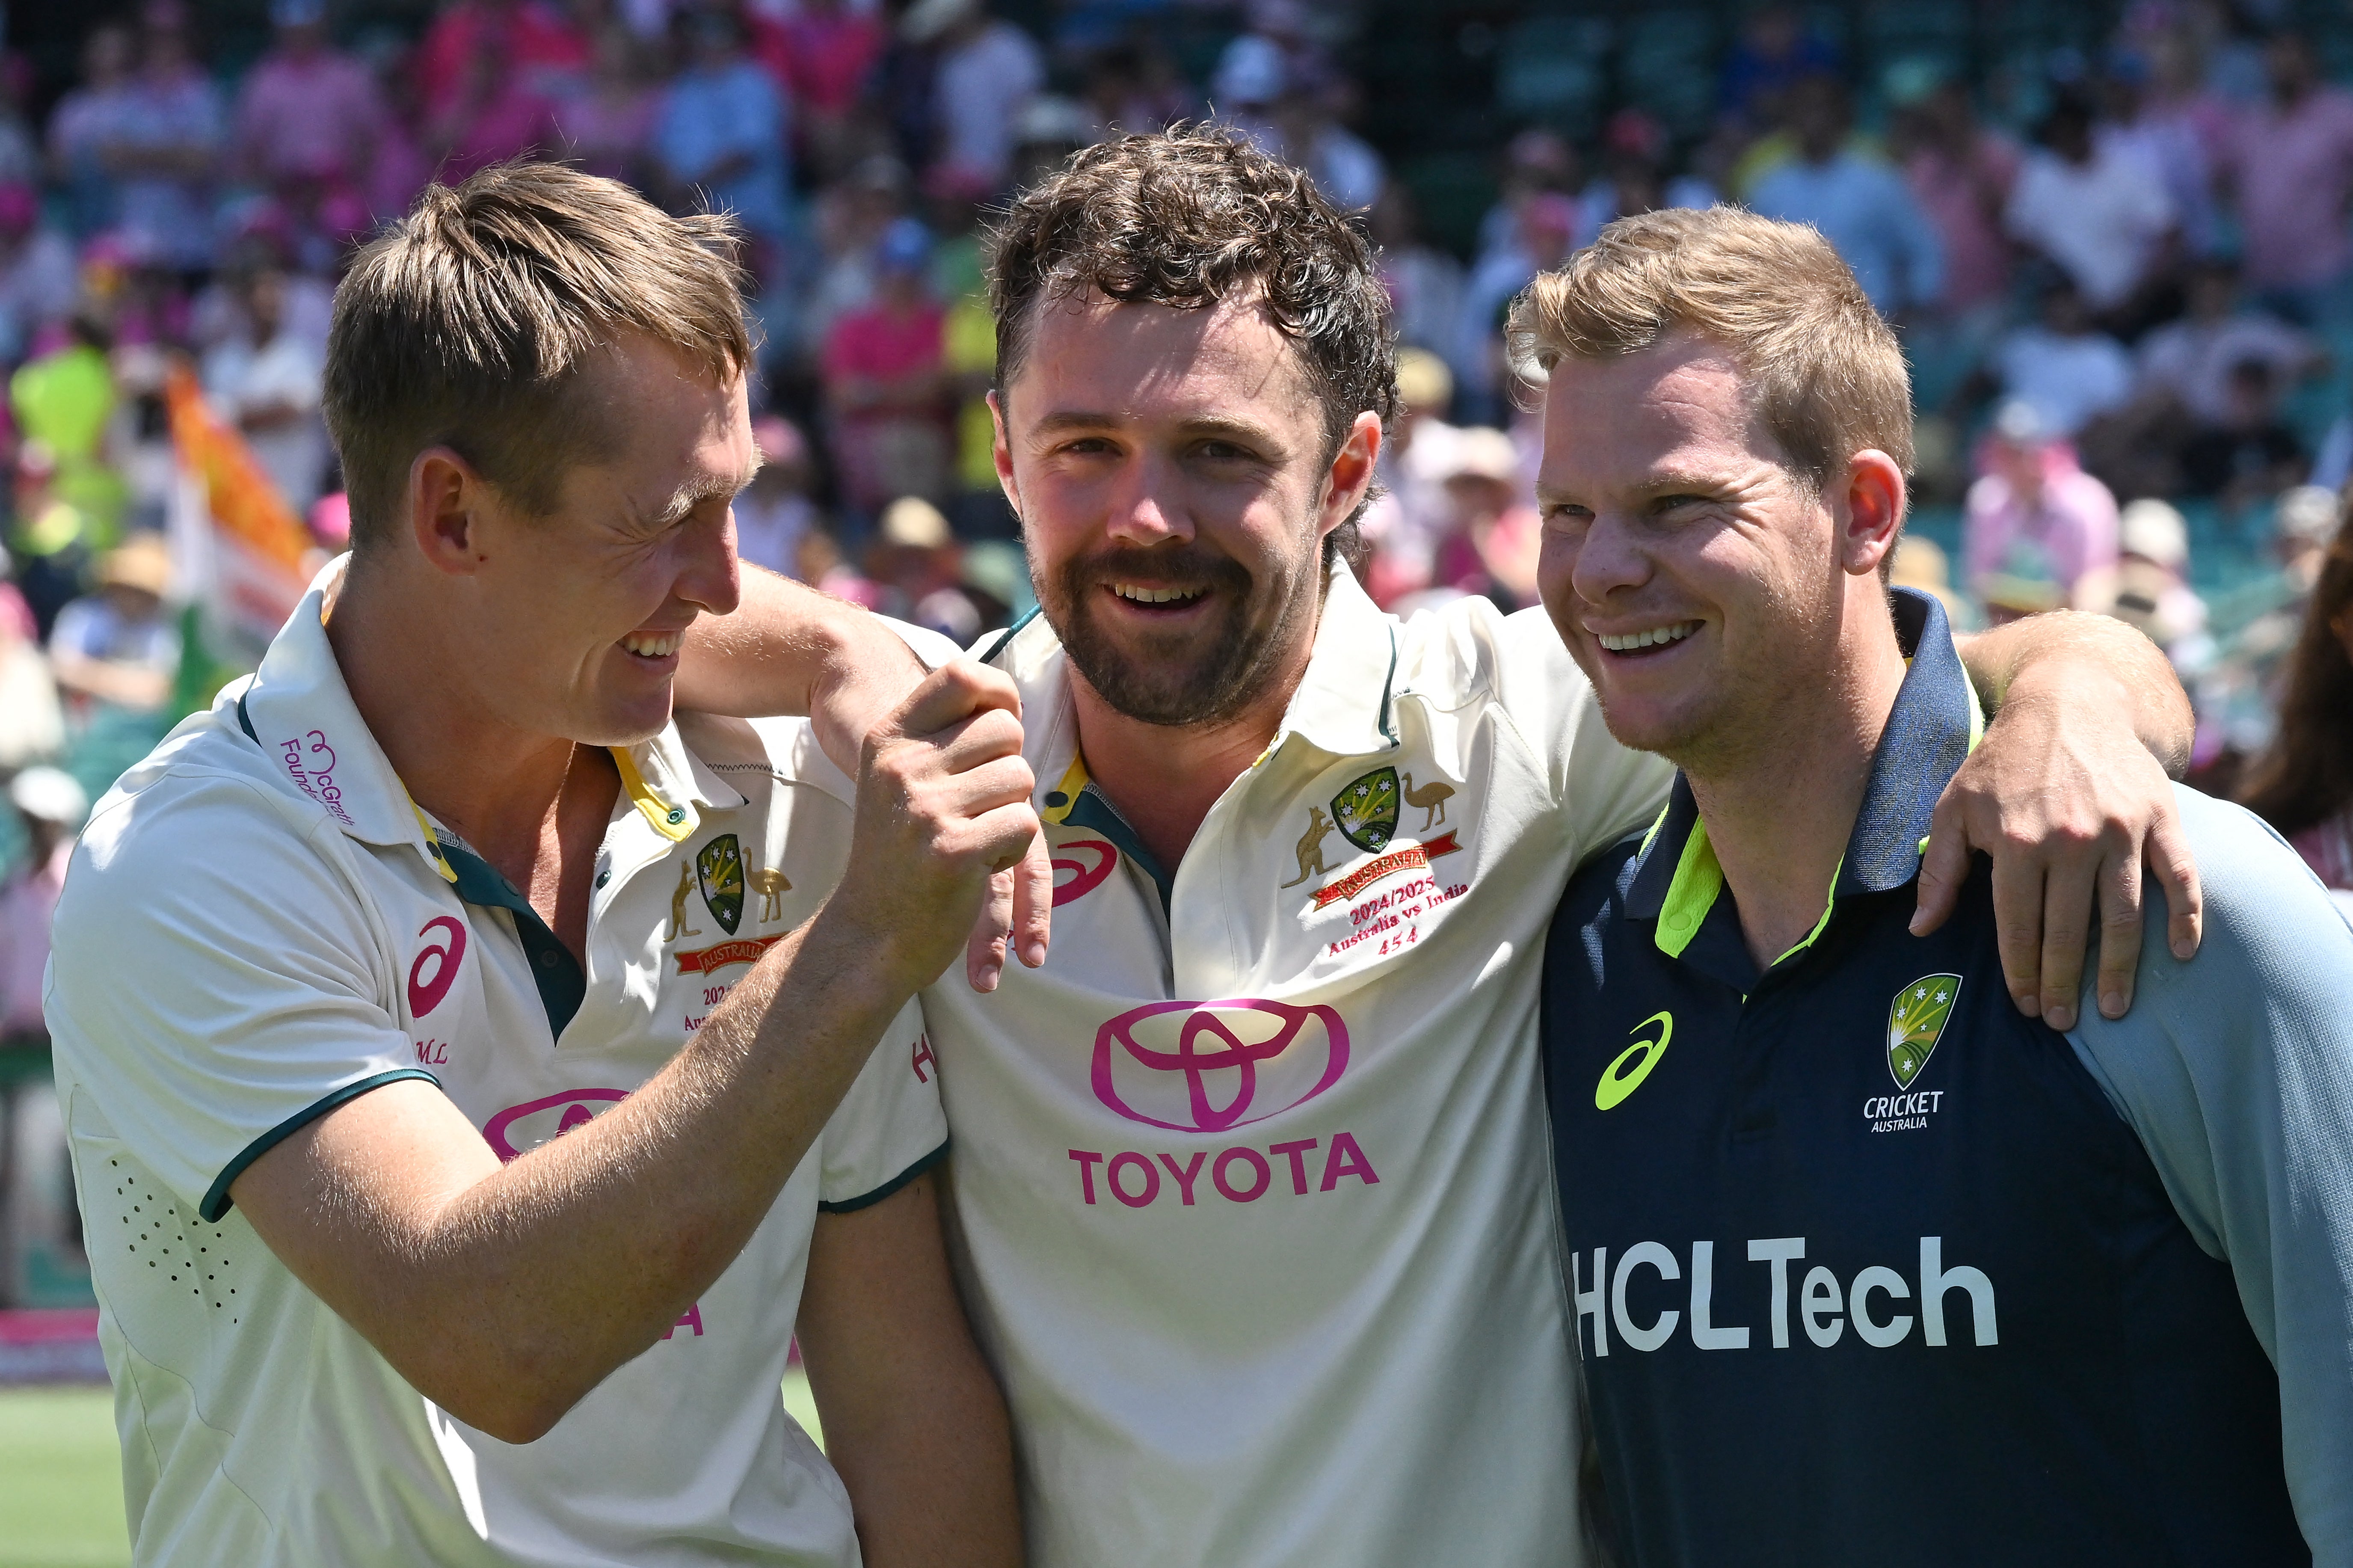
x=216 y=1204
x=865 y=1200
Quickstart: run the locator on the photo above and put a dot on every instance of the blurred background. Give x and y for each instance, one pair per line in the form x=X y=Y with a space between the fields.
x=2117 y=240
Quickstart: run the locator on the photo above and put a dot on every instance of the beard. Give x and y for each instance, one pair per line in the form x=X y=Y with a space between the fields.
x=1180 y=678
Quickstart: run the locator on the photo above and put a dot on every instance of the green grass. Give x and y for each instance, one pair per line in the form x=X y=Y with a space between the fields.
x=61 y=1477
x=60 y=1480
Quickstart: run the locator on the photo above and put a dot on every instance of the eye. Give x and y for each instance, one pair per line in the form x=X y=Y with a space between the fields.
x=1563 y=517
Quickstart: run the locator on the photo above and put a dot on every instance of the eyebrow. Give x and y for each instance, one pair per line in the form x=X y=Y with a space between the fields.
x=695 y=492
x=1069 y=420
x=1669 y=483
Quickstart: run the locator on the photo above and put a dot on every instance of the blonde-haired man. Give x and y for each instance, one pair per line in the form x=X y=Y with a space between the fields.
x=459 y=1146
x=1865 y=1265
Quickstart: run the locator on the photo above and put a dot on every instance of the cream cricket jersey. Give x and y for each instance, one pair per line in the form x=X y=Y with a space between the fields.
x=1252 y=1183
x=256 y=929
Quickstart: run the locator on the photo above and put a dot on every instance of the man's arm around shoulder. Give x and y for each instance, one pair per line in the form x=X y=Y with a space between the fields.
x=2236 y=1070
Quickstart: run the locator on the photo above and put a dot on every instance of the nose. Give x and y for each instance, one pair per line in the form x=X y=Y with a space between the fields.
x=1147 y=503
x=1608 y=559
x=708 y=576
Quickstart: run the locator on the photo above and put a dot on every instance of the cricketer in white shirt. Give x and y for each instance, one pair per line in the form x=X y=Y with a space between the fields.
x=260 y=926
x=1252 y=1179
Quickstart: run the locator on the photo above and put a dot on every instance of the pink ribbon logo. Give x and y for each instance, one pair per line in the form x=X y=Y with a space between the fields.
x=1085 y=862
x=1230 y=1062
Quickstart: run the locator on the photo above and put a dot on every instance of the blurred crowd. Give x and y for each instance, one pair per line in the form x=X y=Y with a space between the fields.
x=2124 y=281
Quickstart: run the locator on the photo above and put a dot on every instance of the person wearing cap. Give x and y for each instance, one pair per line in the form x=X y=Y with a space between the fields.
x=500 y=1070
x=1866 y=1263
x=116 y=645
x=1490 y=543
x=885 y=378
x=2035 y=524
x=50 y=806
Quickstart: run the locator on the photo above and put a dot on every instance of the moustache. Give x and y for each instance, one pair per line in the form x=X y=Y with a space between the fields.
x=1169 y=566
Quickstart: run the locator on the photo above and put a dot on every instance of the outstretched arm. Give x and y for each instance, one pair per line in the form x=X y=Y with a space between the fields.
x=2069 y=794
x=789 y=649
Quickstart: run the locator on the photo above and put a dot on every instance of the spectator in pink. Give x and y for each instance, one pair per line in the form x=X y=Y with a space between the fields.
x=820 y=53
x=308 y=111
x=1961 y=172
x=886 y=382
x=493 y=116
x=2034 y=517
x=52 y=805
x=2291 y=166
x=605 y=124
x=534 y=37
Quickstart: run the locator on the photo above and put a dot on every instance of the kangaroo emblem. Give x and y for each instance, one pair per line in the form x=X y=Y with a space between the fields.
x=1310 y=846
x=1431 y=797
x=771 y=884
x=677 y=926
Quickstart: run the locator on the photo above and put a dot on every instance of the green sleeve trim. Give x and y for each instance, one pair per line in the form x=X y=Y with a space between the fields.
x=867 y=1200
x=217 y=1202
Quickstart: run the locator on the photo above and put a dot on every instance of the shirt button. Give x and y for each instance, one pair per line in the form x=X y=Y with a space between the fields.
x=548 y=959
x=678 y=814
x=603 y=877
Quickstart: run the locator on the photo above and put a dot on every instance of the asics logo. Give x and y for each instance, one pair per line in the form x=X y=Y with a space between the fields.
x=520 y=1128
x=1206 y=1067
x=1624 y=1075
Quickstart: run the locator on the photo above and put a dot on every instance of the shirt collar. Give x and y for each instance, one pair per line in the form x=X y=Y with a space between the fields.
x=1932 y=728
x=301 y=713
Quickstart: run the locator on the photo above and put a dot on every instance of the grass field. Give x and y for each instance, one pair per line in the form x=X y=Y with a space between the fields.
x=61 y=1487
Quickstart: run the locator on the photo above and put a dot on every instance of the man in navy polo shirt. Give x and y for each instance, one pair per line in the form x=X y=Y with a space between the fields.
x=1865 y=1265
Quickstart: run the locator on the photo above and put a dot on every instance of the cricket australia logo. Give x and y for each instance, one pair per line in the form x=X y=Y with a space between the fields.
x=1205 y=1067
x=1366 y=811
x=719 y=868
x=1914 y=1020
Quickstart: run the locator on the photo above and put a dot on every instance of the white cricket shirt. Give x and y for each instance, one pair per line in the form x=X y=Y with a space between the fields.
x=255 y=930
x=1252 y=1186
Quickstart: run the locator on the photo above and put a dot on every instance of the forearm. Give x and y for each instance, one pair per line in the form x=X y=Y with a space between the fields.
x=789 y=649
x=509 y=1292
x=2079 y=661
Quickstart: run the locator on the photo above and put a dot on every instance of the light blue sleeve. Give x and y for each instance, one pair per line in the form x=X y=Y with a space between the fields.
x=2236 y=1070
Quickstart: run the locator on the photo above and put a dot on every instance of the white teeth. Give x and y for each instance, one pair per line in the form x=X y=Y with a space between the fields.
x=1155 y=595
x=1655 y=636
x=653 y=647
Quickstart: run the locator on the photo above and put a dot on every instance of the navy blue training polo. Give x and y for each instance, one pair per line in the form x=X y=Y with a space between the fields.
x=1867 y=1267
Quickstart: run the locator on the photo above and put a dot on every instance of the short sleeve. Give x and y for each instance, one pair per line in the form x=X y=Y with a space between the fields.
x=214 y=982
x=889 y=1128
x=1602 y=790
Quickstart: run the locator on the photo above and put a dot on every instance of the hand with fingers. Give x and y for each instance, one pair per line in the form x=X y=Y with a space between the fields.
x=945 y=852
x=2071 y=806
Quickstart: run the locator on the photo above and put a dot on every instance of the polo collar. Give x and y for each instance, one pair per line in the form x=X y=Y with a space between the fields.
x=1931 y=729
x=298 y=708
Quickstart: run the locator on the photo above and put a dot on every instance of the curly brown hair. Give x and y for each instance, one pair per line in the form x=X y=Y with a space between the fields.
x=1188 y=217
x=2307 y=776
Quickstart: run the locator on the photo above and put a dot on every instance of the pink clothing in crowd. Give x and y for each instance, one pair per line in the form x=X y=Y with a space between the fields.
x=533 y=37
x=2294 y=173
x=2067 y=530
x=2328 y=849
x=317 y=115
x=820 y=56
x=1963 y=199
x=27 y=902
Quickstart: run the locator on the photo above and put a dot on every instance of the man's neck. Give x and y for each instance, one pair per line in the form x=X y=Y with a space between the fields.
x=496 y=786
x=1779 y=812
x=1162 y=779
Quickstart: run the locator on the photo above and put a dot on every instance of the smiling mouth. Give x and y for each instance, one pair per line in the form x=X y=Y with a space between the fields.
x=651 y=645
x=1172 y=598
x=1646 y=641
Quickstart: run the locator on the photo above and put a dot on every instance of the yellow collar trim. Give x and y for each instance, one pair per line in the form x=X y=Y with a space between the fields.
x=675 y=823
x=1074 y=779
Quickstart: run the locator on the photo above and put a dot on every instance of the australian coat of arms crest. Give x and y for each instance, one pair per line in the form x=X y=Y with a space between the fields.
x=1365 y=812
x=719 y=868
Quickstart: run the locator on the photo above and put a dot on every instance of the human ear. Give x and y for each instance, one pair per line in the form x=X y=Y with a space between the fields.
x=1001 y=450
x=1350 y=474
x=1874 y=513
x=445 y=498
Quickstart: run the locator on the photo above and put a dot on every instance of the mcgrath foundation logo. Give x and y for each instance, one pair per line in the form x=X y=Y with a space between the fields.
x=1206 y=1067
x=519 y=1129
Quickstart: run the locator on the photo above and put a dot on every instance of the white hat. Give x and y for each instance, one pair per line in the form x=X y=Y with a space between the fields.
x=2307 y=513
x=914 y=523
x=49 y=795
x=1481 y=452
x=2155 y=532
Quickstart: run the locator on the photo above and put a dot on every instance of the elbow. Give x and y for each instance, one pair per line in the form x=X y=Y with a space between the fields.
x=499 y=1395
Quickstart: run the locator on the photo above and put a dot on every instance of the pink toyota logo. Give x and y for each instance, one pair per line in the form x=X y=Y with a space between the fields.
x=1206 y=1067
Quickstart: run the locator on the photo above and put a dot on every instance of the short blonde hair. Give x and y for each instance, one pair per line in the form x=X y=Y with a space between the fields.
x=1823 y=371
x=467 y=323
